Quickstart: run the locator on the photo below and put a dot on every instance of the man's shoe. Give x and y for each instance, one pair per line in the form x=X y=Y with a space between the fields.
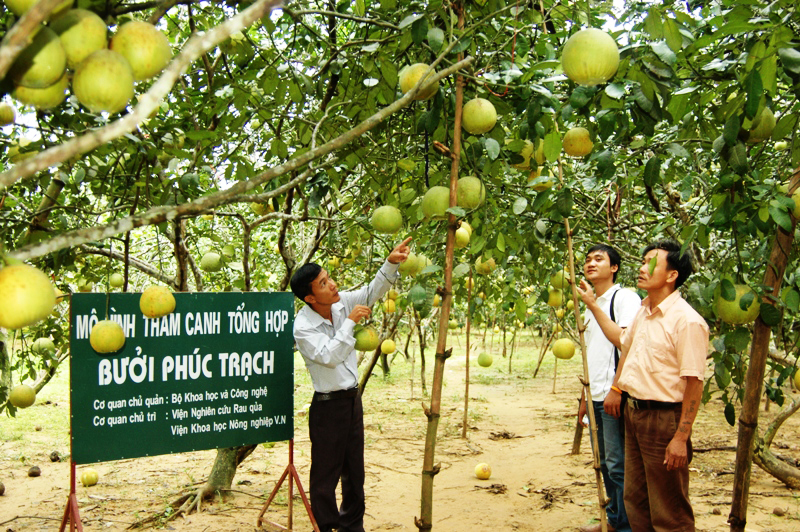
x=596 y=528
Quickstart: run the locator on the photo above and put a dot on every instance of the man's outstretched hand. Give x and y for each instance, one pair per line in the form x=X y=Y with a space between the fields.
x=400 y=253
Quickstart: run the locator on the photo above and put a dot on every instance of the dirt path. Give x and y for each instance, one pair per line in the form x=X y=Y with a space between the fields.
x=537 y=485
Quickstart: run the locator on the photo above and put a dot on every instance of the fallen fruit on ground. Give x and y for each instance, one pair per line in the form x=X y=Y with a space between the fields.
x=590 y=56
x=103 y=82
x=26 y=296
x=41 y=63
x=156 y=301
x=34 y=471
x=478 y=116
x=387 y=219
x=435 y=202
x=146 y=49
x=564 y=348
x=367 y=339
x=211 y=262
x=89 y=477
x=483 y=471
x=577 y=142
x=82 y=32
x=22 y=396
x=388 y=347
x=485 y=360
x=731 y=311
x=107 y=336
x=470 y=193
x=409 y=77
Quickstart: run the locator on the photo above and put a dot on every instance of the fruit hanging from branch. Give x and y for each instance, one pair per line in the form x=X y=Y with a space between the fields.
x=145 y=48
x=387 y=219
x=478 y=116
x=156 y=301
x=410 y=75
x=103 y=82
x=577 y=142
x=107 y=336
x=590 y=57
x=26 y=296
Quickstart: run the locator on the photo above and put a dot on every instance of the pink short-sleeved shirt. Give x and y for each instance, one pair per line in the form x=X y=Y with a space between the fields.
x=663 y=345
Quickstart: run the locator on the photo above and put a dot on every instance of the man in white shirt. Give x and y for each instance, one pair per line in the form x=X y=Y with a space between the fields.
x=604 y=325
x=323 y=332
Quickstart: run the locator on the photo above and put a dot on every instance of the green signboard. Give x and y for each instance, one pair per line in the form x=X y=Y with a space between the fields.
x=217 y=372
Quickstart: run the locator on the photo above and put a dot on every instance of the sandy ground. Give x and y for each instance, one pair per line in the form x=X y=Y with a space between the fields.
x=536 y=483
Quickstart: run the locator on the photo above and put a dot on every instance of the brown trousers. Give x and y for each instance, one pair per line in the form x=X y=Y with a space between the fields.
x=655 y=499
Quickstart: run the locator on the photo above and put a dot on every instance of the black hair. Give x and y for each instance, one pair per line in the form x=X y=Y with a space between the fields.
x=613 y=256
x=302 y=279
x=675 y=261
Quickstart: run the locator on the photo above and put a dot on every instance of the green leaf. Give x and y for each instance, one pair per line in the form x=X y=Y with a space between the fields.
x=722 y=375
x=501 y=243
x=615 y=90
x=747 y=300
x=792 y=300
x=492 y=148
x=652 y=266
x=755 y=89
x=769 y=74
x=652 y=171
x=581 y=96
x=461 y=270
x=727 y=290
x=731 y=132
x=359 y=9
x=790 y=59
x=419 y=30
x=664 y=52
x=418 y=296
x=770 y=315
x=520 y=309
x=653 y=25
x=435 y=39
x=410 y=19
x=462 y=45
x=673 y=35
x=738 y=159
x=738 y=340
x=730 y=414
x=552 y=146
x=564 y=203
x=781 y=217
x=520 y=204
x=458 y=211
x=677 y=150
x=407 y=164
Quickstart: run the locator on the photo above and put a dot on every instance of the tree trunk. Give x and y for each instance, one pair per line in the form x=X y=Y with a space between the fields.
x=5 y=367
x=766 y=460
x=759 y=351
x=465 y=422
x=421 y=336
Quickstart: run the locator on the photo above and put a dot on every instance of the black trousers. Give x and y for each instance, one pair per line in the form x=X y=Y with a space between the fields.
x=336 y=427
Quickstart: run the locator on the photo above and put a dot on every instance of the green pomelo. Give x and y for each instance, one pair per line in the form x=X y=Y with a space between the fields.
x=103 y=82
x=41 y=63
x=22 y=396
x=410 y=75
x=478 y=116
x=564 y=348
x=731 y=311
x=26 y=296
x=146 y=49
x=470 y=193
x=485 y=360
x=82 y=33
x=435 y=202
x=762 y=127
x=590 y=57
x=46 y=98
x=116 y=280
x=462 y=238
x=577 y=142
x=211 y=262
x=20 y=7
x=43 y=346
x=7 y=115
x=367 y=339
x=387 y=219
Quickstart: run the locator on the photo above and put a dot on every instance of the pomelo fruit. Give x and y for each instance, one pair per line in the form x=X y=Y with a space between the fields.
x=470 y=193
x=485 y=360
x=392 y=294
x=555 y=298
x=485 y=267
x=89 y=477
x=388 y=347
x=437 y=300
x=146 y=49
x=763 y=124
x=367 y=339
x=478 y=116
x=577 y=142
x=389 y=306
x=22 y=396
x=82 y=32
x=103 y=82
x=564 y=348
x=560 y=279
x=211 y=262
x=156 y=301
x=387 y=219
x=483 y=471
x=435 y=202
x=44 y=98
x=7 y=114
x=20 y=7
x=452 y=325
x=465 y=225
x=107 y=336
x=462 y=238
x=41 y=63
x=116 y=280
x=731 y=311
x=590 y=56
x=410 y=75
x=26 y=296
x=43 y=346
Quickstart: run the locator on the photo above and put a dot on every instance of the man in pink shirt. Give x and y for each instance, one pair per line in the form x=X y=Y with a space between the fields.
x=661 y=369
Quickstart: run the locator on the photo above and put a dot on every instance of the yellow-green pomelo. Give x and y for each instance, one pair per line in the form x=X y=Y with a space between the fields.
x=560 y=279
x=43 y=346
x=469 y=283
x=462 y=238
x=470 y=193
x=156 y=301
x=82 y=32
x=45 y=98
x=228 y=251
x=410 y=75
x=84 y=285
x=116 y=280
x=590 y=57
x=89 y=477
x=570 y=305
x=478 y=116
x=797 y=379
x=392 y=294
x=465 y=225
x=555 y=298
x=483 y=471
x=485 y=360
x=762 y=127
x=525 y=153
x=26 y=296
x=41 y=63
x=107 y=336
x=103 y=82
x=211 y=262
x=367 y=339
x=564 y=348
x=577 y=142
x=435 y=202
x=796 y=199
x=387 y=219
x=452 y=325
x=388 y=347
x=485 y=267
x=22 y=396
x=560 y=313
x=731 y=311
x=146 y=49
x=20 y=7
x=389 y=306
x=539 y=183
x=409 y=265
x=7 y=114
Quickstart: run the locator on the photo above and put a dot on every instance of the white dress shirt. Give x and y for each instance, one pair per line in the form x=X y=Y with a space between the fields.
x=599 y=350
x=327 y=346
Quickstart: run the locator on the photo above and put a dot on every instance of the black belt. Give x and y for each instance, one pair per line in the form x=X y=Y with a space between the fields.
x=338 y=394
x=643 y=404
